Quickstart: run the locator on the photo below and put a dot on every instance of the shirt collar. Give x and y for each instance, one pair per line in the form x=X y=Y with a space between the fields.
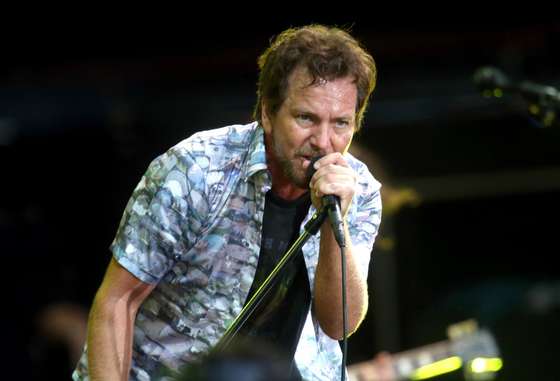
x=256 y=158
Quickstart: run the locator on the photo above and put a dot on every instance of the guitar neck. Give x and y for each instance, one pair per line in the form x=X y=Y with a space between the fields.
x=403 y=364
x=407 y=362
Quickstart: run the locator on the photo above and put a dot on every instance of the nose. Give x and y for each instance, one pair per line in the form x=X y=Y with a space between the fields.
x=320 y=139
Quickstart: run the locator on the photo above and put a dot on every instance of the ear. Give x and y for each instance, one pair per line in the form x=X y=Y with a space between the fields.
x=267 y=124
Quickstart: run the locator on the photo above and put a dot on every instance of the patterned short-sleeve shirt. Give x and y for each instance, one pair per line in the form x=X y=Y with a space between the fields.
x=193 y=227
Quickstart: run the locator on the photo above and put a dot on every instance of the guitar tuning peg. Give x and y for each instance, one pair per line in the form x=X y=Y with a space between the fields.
x=466 y=327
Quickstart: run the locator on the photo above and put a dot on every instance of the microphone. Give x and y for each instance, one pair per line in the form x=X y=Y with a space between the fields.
x=331 y=203
x=489 y=78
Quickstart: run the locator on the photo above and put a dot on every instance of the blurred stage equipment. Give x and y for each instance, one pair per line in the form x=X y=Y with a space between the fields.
x=473 y=349
x=543 y=101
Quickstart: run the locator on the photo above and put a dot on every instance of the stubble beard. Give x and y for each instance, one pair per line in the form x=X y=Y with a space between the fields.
x=300 y=178
x=296 y=176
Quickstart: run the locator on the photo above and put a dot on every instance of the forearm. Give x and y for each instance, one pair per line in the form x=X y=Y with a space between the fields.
x=328 y=289
x=110 y=333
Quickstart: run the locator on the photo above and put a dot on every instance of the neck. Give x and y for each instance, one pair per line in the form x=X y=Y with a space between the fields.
x=288 y=193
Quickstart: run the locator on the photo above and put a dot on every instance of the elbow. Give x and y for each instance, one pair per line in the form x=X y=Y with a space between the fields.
x=334 y=327
x=337 y=332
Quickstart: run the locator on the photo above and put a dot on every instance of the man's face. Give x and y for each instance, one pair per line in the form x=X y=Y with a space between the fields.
x=313 y=120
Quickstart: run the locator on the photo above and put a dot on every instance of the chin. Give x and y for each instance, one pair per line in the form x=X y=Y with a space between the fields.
x=300 y=180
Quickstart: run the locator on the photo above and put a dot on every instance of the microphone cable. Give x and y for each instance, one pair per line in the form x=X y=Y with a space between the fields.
x=344 y=312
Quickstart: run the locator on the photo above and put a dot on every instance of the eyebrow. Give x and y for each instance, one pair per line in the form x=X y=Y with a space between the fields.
x=300 y=110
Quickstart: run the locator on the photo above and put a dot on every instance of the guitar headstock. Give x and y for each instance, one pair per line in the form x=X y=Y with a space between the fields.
x=477 y=350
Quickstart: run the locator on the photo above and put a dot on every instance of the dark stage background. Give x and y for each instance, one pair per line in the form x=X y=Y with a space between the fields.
x=83 y=111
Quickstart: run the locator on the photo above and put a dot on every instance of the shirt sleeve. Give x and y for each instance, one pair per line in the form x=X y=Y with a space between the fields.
x=158 y=225
x=363 y=228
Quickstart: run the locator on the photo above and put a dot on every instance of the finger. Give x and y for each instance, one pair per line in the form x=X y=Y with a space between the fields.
x=332 y=173
x=331 y=158
x=339 y=188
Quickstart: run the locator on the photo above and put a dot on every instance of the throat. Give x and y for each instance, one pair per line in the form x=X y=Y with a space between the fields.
x=288 y=191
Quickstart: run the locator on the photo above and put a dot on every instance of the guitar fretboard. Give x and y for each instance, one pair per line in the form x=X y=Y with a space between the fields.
x=407 y=362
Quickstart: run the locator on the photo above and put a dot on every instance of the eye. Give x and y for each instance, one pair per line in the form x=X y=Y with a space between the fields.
x=304 y=118
x=342 y=123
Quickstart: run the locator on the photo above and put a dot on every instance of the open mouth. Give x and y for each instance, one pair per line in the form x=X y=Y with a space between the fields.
x=305 y=160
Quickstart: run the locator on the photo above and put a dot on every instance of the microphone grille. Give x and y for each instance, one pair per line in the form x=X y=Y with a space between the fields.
x=490 y=78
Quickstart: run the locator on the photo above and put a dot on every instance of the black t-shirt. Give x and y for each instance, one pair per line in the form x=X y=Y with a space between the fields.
x=280 y=317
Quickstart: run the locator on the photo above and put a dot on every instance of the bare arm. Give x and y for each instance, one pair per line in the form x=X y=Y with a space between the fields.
x=335 y=177
x=111 y=323
x=328 y=290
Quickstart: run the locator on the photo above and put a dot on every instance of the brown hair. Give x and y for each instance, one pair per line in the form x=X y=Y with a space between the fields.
x=326 y=52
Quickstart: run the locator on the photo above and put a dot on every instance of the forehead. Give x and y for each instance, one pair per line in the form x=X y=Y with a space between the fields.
x=300 y=79
x=342 y=91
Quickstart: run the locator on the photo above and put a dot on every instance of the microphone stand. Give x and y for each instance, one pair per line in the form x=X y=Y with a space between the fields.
x=310 y=228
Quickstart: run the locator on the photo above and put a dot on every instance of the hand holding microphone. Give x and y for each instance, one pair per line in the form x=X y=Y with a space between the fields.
x=332 y=186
